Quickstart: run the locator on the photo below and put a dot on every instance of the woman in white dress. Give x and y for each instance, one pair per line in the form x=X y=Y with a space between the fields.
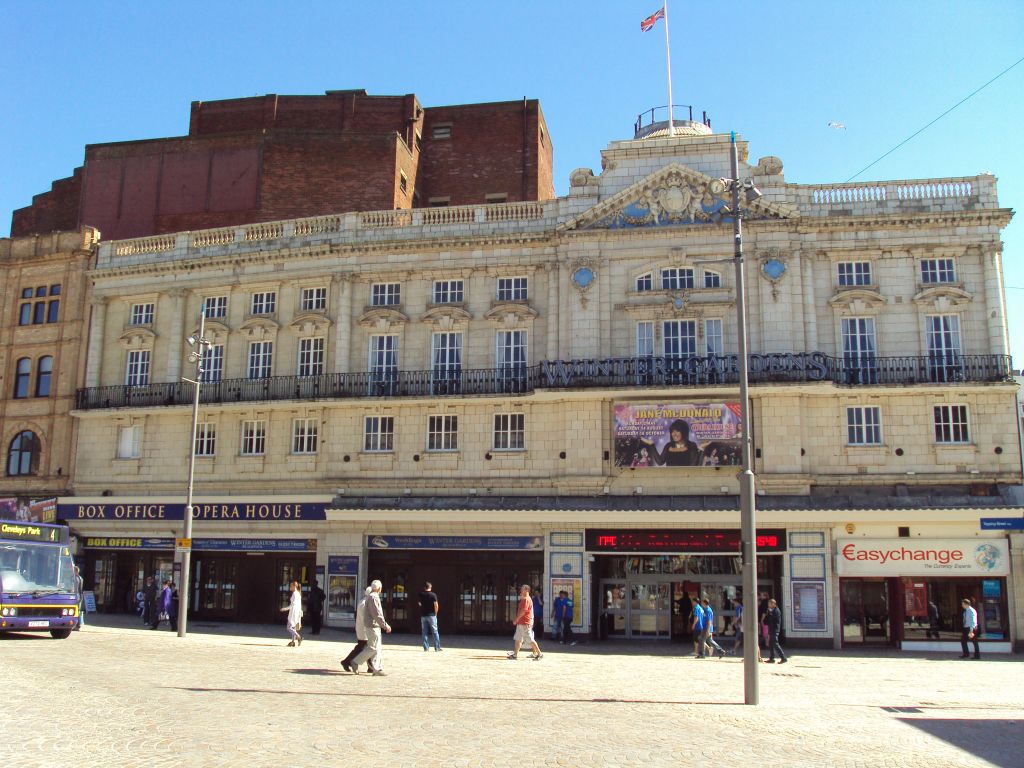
x=294 y=614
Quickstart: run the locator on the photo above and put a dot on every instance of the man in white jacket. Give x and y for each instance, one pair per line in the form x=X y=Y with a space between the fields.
x=346 y=663
x=373 y=623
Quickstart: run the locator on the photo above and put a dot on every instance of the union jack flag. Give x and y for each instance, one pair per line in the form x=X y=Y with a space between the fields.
x=648 y=24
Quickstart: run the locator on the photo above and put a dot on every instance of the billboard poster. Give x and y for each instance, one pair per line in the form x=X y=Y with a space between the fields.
x=342 y=572
x=678 y=435
x=574 y=588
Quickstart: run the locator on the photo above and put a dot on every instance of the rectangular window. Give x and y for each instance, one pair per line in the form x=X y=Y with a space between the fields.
x=213 y=363
x=446 y=363
x=645 y=339
x=951 y=424
x=261 y=358
x=713 y=337
x=206 y=438
x=512 y=288
x=509 y=431
x=853 y=273
x=142 y=314
x=39 y=313
x=263 y=303
x=313 y=299
x=53 y=310
x=129 y=442
x=304 y=435
x=383 y=364
x=441 y=131
x=443 y=433
x=311 y=357
x=511 y=360
x=403 y=181
x=864 y=426
x=712 y=279
x=676 y=279
x=137 y=371
x=938 y=271
x=644 y=283
x=680 y=338
x=379 y=434
x=254 y=438
x=215 y=306
x=25 y=314
x=385 y=294
x=943 y=335
x=448 y=291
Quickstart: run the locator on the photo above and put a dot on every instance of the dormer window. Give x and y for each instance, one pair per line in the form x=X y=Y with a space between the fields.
x=644 y=283
x=938 y=271
x=676 y=279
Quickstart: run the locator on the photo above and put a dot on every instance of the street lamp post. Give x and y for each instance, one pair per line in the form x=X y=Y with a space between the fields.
x=748 y=529
x=199 y=344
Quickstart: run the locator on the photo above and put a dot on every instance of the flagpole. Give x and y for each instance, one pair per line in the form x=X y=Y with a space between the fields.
x=668 y=65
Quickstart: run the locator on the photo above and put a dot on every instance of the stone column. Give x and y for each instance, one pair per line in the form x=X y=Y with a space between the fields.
x=174 y=342
x=992 y=266
x=97 y=324
x=342 y=290
x=809 y=302
x=554 y=275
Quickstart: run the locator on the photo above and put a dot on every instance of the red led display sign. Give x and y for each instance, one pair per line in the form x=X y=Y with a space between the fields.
x=680 y=542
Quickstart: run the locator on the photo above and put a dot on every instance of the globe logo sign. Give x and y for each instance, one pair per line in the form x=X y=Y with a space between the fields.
x=987 y=556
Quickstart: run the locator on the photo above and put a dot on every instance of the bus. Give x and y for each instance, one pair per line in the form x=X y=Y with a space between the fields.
x=38 y=586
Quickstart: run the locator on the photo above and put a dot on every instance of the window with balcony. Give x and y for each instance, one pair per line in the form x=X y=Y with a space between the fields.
x=137 y=368
x=304 y=435
x=863 y=425
x=443 y=433
x=512 y=356
x=448 y=291
x=854 y=273
x=206 y=438
x=213 y=363
x=512 y=288
x=713 y=337
x=944 y=353
x=379 y=434
x=311 y=357
x=383 y=364
x=446 y=363
x=951 y=424
x=859 y=350
x=261 y=359
x=509 y=431
x=676 y=279
x=254 y=437
x=385 y=294
x=313 y=299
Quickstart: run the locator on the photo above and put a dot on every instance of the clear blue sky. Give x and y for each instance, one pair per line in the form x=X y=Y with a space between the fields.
x=75 y=73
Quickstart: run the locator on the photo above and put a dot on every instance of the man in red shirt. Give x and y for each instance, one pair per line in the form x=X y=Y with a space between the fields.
x=524 y=625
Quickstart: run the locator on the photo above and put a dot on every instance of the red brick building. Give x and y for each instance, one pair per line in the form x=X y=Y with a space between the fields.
x=278 y=157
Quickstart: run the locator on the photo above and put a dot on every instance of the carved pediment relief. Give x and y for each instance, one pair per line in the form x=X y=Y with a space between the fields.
x=137 y=337
x=943 y=297
x=857 y=300
x=310 y=323
x=382 y=319
x=446 y=317
x=510 y=313
x=259 y=329
x=671 y=196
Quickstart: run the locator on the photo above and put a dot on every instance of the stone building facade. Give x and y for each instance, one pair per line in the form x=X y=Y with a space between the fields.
x=43 y=322
x=488 y=395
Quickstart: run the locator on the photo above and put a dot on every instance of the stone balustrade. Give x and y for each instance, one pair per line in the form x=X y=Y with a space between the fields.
x=923 y=195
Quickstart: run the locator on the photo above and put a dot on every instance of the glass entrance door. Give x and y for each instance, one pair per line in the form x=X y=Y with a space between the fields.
x=865 y=611
x=650 y=610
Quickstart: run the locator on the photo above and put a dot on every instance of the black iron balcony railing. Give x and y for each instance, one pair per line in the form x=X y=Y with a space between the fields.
x=607 y=373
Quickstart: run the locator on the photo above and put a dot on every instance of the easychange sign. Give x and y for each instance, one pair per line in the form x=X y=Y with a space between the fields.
x=922 y=557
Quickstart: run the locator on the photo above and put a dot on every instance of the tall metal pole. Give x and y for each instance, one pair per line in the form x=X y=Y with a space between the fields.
x=668 y=68
x=748 y=530
x=186 y=555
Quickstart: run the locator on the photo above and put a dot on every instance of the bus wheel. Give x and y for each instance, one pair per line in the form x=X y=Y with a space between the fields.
x=60 y=634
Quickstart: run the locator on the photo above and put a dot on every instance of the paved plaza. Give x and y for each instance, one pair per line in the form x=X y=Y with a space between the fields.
x=117 y=694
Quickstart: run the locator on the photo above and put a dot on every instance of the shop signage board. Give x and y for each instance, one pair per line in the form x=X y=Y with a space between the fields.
x=202 y=545
x=922 y=557
x=456 y=542
x=676 y=541
x=141 y=511
x=1002 y=523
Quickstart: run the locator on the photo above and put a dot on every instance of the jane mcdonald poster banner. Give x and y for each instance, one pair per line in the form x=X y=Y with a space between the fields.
x=678 y=435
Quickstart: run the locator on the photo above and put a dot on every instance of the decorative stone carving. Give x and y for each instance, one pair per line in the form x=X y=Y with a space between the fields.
x=310 y=323
x=381 y=319
x=581 y=177
x=447 y=317
x=769 y=166
x=510 y=314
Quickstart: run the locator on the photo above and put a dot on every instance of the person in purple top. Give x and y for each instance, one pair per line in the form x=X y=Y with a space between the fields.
x=164 y=603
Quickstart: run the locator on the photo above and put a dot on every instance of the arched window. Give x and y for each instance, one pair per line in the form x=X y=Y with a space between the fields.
x=44 y=373
x=23 y=456
x=22 y=376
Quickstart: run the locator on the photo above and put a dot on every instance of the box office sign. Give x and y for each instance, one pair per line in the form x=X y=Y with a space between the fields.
x=922 y=557
x=141 y=511
x=678 y=435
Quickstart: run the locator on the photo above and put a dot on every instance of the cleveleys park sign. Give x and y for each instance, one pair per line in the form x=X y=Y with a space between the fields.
x=922 y=557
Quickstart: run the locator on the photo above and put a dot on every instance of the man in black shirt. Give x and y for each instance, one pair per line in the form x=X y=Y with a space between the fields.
x=315 y=606
x=428 y=617
x=149 y=601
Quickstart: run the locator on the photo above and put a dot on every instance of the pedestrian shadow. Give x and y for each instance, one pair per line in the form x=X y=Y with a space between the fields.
x=318 y=672
x=996 y=740
x=265 y=645
x=378 y=694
